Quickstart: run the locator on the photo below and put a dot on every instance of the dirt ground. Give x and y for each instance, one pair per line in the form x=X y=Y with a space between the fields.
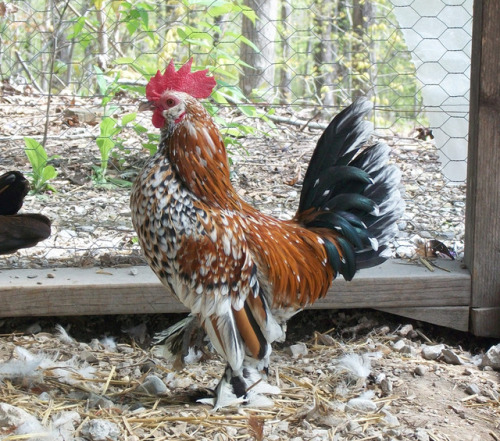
x=91 y=222
x=360 y=375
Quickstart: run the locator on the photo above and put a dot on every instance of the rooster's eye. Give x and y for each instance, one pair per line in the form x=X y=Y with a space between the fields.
x=170 y=102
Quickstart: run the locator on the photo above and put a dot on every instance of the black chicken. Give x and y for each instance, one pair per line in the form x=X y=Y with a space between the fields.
x=18 y=230
x=13 y=188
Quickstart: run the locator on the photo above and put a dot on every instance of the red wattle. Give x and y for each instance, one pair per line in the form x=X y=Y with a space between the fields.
x=158 y=120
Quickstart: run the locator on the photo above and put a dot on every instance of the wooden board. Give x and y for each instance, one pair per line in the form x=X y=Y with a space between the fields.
x=482 y=240
x=454 y=317
x=397 y=283
x=88 y=291
x=485 y=321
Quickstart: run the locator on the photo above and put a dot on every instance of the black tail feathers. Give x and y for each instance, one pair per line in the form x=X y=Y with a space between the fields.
x=351 y=189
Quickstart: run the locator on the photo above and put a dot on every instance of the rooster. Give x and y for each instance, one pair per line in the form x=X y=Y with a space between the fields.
x=242 y=273
x=18 y=230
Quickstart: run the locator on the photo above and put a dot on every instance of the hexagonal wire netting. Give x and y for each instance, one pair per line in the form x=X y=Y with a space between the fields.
x=73 y=73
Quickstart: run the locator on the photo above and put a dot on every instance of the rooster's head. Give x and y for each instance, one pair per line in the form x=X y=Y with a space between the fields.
x=167 y=92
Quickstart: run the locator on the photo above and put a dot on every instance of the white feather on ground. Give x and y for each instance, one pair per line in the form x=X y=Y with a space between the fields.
x=109 y=343
x=363 y=403
x=63 y=336
x=15 y=368
x=357 y=365
x=33 y=367
x=193 y=356
x=22 y=423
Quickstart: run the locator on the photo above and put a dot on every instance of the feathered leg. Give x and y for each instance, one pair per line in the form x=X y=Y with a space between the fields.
x=243 y=337
x=245 y=377
x=247 y=385
x=180 y=339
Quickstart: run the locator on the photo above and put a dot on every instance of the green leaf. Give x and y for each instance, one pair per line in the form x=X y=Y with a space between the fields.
x=36 y=154
x=132 y=26
x=102 y=84
x=151 y=147
x=154 y=137
x=247 y=42
x=218 y=97
x=108 y=127
x=76 y=28
x=129 y=117
x=48 y=173
x=217 y=11
x=38 y=158
x=123 y=60
x=234 y=92
x=268 y=121
x=145 y=18
x=250 y=14
x=139 y=129
x=182 y=33
x=248 y=110
x=231 y=131
x=112 y=110
x=105 y=145
x=85 y=40
x=221 y=72
x=120 y=182
x=200 y=43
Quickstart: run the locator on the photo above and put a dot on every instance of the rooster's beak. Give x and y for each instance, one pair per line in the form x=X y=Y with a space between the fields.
x=146 y=105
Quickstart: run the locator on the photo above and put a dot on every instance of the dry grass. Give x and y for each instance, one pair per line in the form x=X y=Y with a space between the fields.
x=104 y=383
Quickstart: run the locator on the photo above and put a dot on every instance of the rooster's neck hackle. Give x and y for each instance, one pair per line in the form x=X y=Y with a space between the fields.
x=198 y=156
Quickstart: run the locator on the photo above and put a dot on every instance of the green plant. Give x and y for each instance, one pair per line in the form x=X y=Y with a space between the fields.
x=110 y=140
x=108 y=129
x=41 y=173
x=107 y=89
x=219 y=54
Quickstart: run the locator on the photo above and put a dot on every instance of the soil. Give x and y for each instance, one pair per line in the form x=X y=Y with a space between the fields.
x=91 y=222
x=109 y=358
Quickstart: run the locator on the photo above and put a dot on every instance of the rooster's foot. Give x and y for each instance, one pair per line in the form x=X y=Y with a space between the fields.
x=248 y=388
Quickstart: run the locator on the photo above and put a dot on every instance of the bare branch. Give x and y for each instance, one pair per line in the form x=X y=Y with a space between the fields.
x=25 y=68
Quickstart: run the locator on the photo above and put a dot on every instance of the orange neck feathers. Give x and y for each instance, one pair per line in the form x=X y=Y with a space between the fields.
x=198 y=155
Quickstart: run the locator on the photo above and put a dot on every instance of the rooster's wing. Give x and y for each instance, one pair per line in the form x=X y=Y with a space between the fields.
x=221 y=278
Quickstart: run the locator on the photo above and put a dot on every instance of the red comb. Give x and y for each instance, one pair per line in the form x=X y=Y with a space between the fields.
x=196 y=84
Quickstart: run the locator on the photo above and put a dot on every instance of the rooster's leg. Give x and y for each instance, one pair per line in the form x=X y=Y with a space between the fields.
x=179 y=340
x=248 y=385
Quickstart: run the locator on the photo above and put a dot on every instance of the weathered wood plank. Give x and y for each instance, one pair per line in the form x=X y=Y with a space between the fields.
x=84 y=291
x=454 y=317
x=73 y=291
x=482 y=245
x=400 y=284
x=485 y=321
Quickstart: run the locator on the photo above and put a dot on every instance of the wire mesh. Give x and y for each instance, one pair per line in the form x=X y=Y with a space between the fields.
x=74 y=72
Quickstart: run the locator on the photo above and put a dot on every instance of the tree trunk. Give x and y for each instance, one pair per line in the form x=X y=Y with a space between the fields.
x=65 y=47
x=59 y=48
x=285 y=75
x=102 y=40
x=261 y=73
x=362 y=47
x=324 y=53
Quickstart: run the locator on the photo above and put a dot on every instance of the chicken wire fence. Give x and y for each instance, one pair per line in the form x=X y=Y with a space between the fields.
x=74 y=72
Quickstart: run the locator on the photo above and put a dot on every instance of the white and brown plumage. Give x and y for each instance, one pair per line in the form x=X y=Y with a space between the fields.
x=240 y=272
